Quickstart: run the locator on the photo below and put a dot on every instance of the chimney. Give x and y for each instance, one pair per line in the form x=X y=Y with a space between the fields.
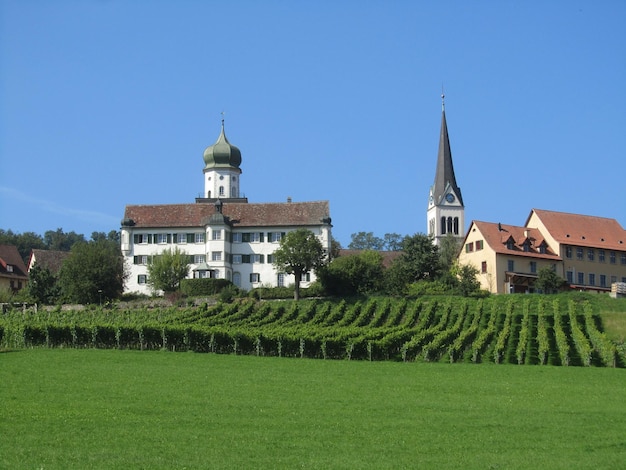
x=288 y=199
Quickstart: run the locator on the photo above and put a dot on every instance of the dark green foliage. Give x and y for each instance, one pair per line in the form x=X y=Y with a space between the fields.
x=42 y=285
x=419 y=260
x=548 y=281
x=93 y=273
x=207 y=286
x=353 y=274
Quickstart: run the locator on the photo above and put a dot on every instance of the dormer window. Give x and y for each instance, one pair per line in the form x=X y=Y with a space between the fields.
x=510 y=244
x=526 y=246
x=9 y=268
x=543 y=249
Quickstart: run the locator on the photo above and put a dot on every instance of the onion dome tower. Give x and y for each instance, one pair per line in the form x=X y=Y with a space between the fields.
x=446 y=212
x=222 y=170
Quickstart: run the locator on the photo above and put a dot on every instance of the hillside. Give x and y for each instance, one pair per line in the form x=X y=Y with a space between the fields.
x=574 y=329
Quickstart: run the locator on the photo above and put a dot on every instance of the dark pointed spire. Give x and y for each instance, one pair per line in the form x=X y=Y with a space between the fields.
x=444 y=174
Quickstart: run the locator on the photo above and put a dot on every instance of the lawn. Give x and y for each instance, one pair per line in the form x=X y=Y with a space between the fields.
x=69 y=408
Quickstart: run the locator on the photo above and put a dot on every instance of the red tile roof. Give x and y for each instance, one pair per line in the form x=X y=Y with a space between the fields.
x=497 y=235
x=241 y=214
x=583 y=230
x=10 y=256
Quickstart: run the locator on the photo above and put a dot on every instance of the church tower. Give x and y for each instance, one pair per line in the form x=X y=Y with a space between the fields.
x=446 y=211
x=222 y=171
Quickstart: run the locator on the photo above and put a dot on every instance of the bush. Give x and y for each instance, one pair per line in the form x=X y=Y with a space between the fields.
x=207 y=286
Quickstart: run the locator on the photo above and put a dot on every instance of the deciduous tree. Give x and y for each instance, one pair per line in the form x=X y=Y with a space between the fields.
x=299 y=252
x=165 y=271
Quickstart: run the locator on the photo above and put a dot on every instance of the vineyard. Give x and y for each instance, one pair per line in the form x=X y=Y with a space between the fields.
x=503 y=330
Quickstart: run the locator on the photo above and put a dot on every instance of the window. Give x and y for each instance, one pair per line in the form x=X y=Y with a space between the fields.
x=237 y=279
x=142 y=279
x=199 y=237
x=592 y=279
x=450 y=225
x=270 y=259
x=222 y=191
x=216 y=256
x=526 y=246
x=257 y=258
x=602 y=280
x=479 y=245
x=217 y=234
x=255 y=277
x=456 y=225
x=141 y=238
x=623 y=258
x=443 y=225
x=510 y=244
x=591 y=254
x=281 y=280
x=275 y=237
x=216 y=274
x=181 y=238
x=483 y=267
x=237 y=237
x=568 y=252
x=141 y=259
x=601 y=256
x=581 y=278
x=9 y=268
x=469 y=247
x=612 y=257
x=306 y=277
x=255 y=237
x=162 y=238
x=236 y=259
x=510 y=265
x=197 y=259
x=543 y=249
x=533 y=266
x=579 y=253
x=570 y=276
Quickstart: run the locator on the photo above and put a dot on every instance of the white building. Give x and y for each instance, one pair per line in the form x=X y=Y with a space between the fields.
x=224 y=235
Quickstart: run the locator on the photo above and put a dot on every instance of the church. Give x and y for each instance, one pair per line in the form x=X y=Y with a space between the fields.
x=223 y=234
x=446 y=212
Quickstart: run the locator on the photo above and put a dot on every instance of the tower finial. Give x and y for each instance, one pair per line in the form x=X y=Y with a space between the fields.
x=443 y=97
x=223 y=113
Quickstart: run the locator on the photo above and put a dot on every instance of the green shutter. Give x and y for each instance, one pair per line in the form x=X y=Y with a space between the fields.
x=190 y=238
x=262 y=259
x=261 y=237
x=169 y=238
x=174 y=238
x=245 y=237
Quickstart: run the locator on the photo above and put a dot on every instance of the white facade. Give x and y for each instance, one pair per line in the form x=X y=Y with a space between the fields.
x=243 y=256
x=221 y=183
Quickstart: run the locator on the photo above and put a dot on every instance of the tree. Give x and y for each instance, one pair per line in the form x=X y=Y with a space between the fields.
x=93 y=272
x=165 y=271
x=419 y=260
x=24 y=242
x=353 y=274
x=42 y=285
x=299 y=252
x=449 y=251
x=548 y=281
x=467 y=276
x=393 y=242
x=61 y=241
x=365 y=241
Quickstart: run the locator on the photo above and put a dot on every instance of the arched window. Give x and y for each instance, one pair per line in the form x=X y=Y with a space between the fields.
x=233 y=192
x=443 y=225
x=456 y=225
x=221 y=190
x=208 y=194
x=449 y=224
x=237 y=279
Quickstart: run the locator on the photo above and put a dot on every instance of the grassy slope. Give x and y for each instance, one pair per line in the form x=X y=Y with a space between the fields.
x=130 y=409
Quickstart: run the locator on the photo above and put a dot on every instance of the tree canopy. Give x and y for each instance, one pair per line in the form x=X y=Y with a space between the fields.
x=299 y=252
x=94 y=272
x=353 y=274
x=419 y=260
x=165 y=271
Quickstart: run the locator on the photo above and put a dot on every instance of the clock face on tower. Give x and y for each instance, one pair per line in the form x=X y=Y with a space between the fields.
x=450 y=197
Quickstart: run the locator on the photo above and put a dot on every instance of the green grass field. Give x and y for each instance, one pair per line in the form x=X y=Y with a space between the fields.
x=69 y=408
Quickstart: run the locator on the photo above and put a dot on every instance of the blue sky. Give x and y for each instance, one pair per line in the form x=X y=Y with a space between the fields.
x=108 y=103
